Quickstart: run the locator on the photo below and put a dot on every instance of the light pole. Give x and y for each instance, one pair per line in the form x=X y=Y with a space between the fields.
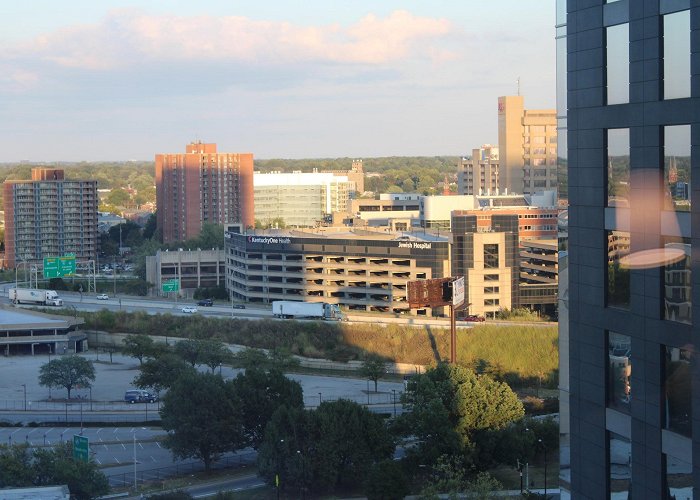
x=135 y=487
x=302 y=485
x=544 y=447
x=90 y=398
x=320 y=400
x=24 y=386
x=394 y=398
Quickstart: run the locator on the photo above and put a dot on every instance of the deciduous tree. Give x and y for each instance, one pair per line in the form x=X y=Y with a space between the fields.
x=139 y=346
x=262 y=393
x=203 y=416
x=373 y=367
x=161 y=373
x=68 y=371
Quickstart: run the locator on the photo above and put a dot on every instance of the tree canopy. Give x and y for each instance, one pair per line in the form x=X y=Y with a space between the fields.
x=373 y=367
x=334 y=445
x=67 y=371
x=262 y=393
x=21 y=467
x=203 y=416
x=449 y=403
x=161 y=372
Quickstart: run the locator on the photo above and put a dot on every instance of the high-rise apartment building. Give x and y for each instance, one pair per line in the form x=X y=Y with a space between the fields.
x=633 y=132
x=49 y=216
x=201 y=186
x=527 y=146
x=479 y=174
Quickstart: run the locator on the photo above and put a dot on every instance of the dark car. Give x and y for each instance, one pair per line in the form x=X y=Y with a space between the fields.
x=238 y=306
x=475 y=319
x=139 y=396
x=205 y=303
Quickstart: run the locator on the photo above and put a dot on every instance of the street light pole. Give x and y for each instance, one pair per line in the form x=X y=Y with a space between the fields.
x=545 y=466
x=394 y=398
x=24 y=386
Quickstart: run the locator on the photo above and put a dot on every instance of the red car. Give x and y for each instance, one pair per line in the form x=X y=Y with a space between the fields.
x=475 y=319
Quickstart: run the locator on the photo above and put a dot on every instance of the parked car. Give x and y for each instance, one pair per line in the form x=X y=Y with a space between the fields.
x=103 y=296
x=189 y=309
x=238 y=306
x=475 y=319
x=205 y=303
x=139 y=396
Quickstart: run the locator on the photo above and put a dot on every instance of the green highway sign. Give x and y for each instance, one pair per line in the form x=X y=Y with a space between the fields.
x=81 y=448
x=171 y=286
x=58 y=267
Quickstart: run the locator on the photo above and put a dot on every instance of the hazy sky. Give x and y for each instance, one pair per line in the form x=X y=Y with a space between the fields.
x=119 y=80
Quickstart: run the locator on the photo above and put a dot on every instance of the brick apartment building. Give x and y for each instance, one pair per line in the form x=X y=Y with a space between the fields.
x=49 y=216
x=201 y=186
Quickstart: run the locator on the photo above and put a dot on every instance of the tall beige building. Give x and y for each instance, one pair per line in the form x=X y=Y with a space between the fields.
x=479 y=174
x=527 y=144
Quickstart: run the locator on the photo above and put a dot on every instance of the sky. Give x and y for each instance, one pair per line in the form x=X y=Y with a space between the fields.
x=101 y=80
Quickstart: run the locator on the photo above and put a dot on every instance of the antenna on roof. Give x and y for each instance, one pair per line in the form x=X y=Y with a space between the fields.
x=518 y=81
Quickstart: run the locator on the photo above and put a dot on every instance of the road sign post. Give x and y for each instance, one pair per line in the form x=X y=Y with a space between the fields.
x=81 y=448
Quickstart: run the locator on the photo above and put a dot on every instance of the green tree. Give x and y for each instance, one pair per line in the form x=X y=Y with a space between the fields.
x=20 y=467
x=211 y=236
x=139 y=346
x=56 y=466
x=188 y=350
x=202 y=415
x=68 y=371
x=281 y=452
x=213 y=353
x=162 y=372
x=348 y=440
x=387 y=481
x=451 y=399
x=373 y=367
x=447 y=475
x=118 y=198
x=15 y=466
x=263 y=392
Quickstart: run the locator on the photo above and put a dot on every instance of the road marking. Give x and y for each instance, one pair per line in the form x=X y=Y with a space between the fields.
x=115 y=430
x=123 y=445
x=141 y=445
x=16 y=430
x=105 y=447
x=35 y=428
x=99 y=430
x=98 y=461
x=158 y=444
x=115 y=458
x=153 y=459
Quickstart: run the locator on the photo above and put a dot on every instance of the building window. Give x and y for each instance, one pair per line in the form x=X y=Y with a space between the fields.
x=618 y=282
x=490 y=277
x=619 y=371
x=491 y=302
x=677 y=286
x=491 y=256
x=677 y=389
x=677 y=168
x=679 y=478
x=491 y=289
x=620 y=460
x=618 y=153
x=617 y=64
x=676 y=53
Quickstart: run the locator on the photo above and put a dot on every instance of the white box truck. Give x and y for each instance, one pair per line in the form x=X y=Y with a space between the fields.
x=314 y=310
x=34 y=296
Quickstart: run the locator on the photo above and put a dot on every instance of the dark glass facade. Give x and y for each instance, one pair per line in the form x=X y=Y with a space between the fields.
x=633 y=121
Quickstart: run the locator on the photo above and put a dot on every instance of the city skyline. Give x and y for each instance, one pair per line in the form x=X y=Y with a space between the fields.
x=121 y=80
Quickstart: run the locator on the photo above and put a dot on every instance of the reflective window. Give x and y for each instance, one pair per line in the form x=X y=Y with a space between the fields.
x=618 y=167
x=676 y=55
x=620 y=453
x=679 y=478
x=491 y=256
x=617 y=62
x=677 y=299
x=677 y=389
x=619 y=371
x=677 y=167
x=618 y=282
